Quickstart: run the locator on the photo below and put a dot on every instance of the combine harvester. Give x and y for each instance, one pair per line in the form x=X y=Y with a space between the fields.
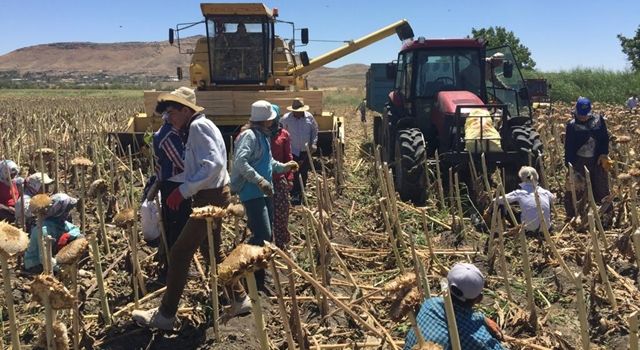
x=241 y=60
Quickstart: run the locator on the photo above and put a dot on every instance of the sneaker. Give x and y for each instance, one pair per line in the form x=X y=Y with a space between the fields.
x=240 y=308
x=153 y=319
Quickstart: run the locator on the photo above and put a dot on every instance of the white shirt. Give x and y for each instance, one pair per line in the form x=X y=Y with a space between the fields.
x=527 y=201
x=302 y=132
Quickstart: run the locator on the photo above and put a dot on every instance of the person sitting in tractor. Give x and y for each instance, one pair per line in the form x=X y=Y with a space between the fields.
x=587 y=145
x=525 y=197
x=469 y=77
x=57 y=227
x=8 y=190
x=303 y=129
x=476 y=331
x=33 y=185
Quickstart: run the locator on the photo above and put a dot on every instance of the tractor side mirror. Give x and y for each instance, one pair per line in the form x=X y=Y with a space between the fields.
x=304 y=58
x=171 y=33
x=507 y=69
x=391 y=70
x=179 y=73
x=405 y=31
x=304 y=35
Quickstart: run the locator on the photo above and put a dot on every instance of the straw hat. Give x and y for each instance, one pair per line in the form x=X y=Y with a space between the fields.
x=298 y=105
x=182 y=95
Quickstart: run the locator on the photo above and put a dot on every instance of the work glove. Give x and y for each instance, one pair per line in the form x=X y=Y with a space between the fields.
x=605 y=162
x=266 y=187
x=493 y=328
x=292 y=166
x=174 y=199
x=64 y=239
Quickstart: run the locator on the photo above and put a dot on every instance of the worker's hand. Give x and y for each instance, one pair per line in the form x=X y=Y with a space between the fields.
x=174 y=199
x=292 y=166
x=266 y=187
x=605 y=162
x=493 y=328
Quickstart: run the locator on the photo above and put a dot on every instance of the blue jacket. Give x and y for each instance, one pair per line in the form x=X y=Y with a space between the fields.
x=578 y=133
x=52 y=227
x=168 y=148
x=249 y=148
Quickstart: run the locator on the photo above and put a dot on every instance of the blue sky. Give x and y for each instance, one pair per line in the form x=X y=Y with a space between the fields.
x=561 y=34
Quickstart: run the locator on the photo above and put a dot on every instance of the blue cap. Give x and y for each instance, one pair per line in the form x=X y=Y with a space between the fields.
x=583 y=106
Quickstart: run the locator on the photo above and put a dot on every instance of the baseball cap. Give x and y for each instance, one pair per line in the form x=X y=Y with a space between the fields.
x=583 y=106
x=468 y=279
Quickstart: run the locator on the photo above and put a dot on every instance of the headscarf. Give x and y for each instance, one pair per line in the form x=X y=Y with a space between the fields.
x=61 y=205
x=276 y=126
x=33 y=184
x=8 y=169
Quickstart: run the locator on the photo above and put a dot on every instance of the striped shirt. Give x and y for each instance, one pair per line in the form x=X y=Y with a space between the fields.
x=168 y=146
x=302 y=132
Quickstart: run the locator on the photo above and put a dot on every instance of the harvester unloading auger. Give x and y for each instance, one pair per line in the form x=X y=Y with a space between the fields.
x=241 y=60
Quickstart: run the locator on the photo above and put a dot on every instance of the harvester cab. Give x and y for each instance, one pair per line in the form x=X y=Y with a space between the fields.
x=241 y=59
x=457 y=98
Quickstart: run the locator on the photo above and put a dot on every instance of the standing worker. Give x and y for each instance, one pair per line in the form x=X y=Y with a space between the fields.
x=168 y=147
x=251 y=175
x=362 y=108
x=632 y=103
x=206 y=182
x=587 y=145
x=303 y=130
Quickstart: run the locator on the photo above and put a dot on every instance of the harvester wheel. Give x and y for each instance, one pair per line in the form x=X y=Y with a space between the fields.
x=410 y=155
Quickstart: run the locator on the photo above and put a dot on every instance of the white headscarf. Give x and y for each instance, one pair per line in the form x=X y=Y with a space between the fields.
x=61 y=205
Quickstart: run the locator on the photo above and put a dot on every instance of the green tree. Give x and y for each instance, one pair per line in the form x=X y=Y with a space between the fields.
x=631 y=48
x=500 y=36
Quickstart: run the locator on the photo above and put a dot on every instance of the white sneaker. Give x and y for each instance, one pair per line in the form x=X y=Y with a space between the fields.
x=239 y=308
x=153 y=319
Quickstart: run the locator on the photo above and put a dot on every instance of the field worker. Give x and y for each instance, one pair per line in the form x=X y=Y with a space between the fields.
x=303 y=130
x=586 y=144
x=251 y=175
x=33 y=185
x=205 y=183
x=362 y=108
x=282 y=183
x=525 y=197
x=55 y=225
x=476 y=331
x=168 y=147
x=632 y=103
x=8 y=190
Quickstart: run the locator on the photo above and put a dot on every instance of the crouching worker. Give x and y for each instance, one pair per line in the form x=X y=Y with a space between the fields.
x=475 y=330
x=525 y=197
x=251 y=175
x=8 y=190
x=56 y=226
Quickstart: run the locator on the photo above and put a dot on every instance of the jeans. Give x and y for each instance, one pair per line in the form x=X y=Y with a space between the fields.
x=259 y=219
x=194 y=235
x=599 y=183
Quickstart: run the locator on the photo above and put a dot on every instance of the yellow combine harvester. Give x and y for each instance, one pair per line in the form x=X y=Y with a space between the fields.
x=241 y=60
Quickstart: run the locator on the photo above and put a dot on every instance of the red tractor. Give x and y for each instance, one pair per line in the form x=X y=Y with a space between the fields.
x=441 y=87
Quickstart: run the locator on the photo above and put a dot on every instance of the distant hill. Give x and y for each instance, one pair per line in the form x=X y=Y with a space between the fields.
x=152 y=61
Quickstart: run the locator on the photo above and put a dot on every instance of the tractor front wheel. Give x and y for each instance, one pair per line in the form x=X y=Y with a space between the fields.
x=409 y=171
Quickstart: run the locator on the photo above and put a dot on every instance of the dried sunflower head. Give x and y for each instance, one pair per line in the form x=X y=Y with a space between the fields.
x=12 y=240
x=46 y=152
x=402 y=282
x=125 y=218
x=81 y=162
x=210 y=211
x=40 y=203
x=47 y=287
x=98 y=188
x=401 y=306
x=244 y=258
x=60 y=337
x=72 y=252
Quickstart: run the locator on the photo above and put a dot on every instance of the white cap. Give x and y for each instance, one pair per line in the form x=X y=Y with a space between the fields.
x=261 y=111
x=468 y=279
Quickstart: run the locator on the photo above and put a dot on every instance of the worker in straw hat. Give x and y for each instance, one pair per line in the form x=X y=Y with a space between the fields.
x=303 y=130
x=475 y=330
x=252 y=175
x=206 y=182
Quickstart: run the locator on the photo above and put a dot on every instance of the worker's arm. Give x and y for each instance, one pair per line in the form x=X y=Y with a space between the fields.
x=245 y=148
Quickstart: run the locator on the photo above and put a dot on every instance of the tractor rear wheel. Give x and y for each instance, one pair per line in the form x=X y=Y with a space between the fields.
x=410 y=156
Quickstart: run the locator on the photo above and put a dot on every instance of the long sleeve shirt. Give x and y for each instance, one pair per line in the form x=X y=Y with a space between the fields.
x=168 y=147
x=8 y=194
x=527 y=201
x=205 y=158
x=281 y=151
x=53 y=228
x=593 y=130
x=432 y=322
x=302 y=131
